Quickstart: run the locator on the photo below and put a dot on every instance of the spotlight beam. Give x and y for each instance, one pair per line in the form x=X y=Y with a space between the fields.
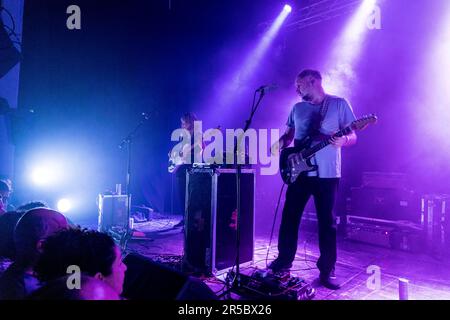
x=232 y=87
x=433 y=124
x=339 y=68
x=255 y=57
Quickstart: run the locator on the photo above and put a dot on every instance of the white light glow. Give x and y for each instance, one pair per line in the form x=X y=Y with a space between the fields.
x=64 y=205
x=47 y=173
x=287 y=8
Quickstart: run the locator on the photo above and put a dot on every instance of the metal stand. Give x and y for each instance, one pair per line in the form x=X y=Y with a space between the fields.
x=128 y=141
x=237 y=279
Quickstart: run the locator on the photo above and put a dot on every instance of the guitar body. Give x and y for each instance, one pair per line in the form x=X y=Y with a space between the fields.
x=292 y=164
x=296 y=161
x=177 y=159
x=172 y=166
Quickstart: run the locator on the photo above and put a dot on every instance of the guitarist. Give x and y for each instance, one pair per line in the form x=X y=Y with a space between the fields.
x=187 y=122
x=318 y=114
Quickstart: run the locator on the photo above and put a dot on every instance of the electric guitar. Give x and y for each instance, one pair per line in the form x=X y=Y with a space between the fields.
x=297 y=160
x=177 y=159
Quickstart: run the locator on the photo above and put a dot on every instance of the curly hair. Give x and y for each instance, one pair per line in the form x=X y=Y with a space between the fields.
x=92 y=251
x=31 y=205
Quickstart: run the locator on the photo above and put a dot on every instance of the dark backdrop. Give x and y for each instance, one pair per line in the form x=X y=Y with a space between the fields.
x=89 y=87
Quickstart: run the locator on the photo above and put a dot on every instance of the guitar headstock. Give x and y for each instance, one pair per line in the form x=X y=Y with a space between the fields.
x=363 y=122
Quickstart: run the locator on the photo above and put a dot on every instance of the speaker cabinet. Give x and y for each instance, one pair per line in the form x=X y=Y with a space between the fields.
x=149 y=280
x=211 y=219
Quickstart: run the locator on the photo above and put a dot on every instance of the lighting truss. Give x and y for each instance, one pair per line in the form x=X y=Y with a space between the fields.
x=318 y=12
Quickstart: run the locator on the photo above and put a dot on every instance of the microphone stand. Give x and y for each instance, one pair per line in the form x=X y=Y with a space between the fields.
x=128 y=142
x=237 y=280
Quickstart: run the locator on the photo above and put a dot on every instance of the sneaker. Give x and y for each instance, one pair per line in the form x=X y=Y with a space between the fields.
x=332 y=275
x=329 y=282
x=279 y=266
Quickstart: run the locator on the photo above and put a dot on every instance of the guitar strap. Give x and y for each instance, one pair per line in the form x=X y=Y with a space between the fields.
x=315 y=131
x=323 y=112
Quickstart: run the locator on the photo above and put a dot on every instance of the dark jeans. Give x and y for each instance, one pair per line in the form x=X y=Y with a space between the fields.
x=181 y=189
x=324 y=192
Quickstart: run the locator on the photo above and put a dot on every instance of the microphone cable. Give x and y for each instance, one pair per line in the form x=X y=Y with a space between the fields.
x=274 y=221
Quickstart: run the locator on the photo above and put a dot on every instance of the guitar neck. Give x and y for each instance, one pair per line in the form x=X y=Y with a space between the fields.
x=317 y=147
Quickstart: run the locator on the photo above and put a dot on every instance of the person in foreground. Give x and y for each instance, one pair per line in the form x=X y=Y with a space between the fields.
x=90 y=289
x=31 y=230
x=93 y=254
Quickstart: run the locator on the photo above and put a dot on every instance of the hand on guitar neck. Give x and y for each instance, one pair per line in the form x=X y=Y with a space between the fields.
x=346 y=140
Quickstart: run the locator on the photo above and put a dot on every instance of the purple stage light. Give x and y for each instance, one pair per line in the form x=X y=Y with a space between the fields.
x=255 y=56
x=339 y=69
x=233 y=86
x=433 y=123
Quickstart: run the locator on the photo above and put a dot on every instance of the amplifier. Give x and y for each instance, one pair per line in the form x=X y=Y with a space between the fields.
x=112 y=212
x=404 y=236
x=385 y=204
x=309 y=221
x=384 y=180
x=211 y=219
x=371 y=234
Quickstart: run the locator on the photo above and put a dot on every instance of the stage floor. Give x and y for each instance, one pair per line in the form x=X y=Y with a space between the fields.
x=429 y=277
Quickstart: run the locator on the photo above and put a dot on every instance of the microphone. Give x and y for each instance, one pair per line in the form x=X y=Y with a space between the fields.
x=268 y=87
x=145 y=116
